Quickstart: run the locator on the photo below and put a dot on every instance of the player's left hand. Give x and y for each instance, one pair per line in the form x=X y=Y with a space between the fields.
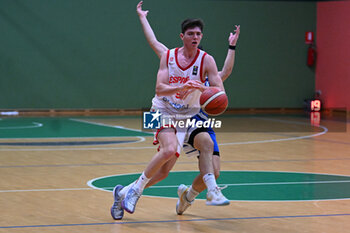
x=234 y=36
x=139 y=10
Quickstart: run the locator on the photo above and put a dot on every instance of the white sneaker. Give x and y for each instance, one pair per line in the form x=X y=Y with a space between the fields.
x=216 y=198
x=117 y=211
x=130 y=200
x=182 y=203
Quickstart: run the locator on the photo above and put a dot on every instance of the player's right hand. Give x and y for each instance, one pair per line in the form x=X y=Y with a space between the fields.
x=193 y=84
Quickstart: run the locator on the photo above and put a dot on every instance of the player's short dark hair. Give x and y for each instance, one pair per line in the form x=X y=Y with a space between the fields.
x=191 y=23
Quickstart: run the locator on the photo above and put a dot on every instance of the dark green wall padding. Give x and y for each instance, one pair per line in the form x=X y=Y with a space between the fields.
x=82 y=54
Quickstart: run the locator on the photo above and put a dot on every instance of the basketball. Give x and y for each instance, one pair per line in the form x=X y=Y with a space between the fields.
x=213 y=101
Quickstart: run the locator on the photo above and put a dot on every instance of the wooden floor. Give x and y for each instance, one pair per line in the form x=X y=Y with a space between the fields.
x=44 y=188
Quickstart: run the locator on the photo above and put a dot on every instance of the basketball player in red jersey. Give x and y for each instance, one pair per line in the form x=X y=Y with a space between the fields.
x=188 y=194
x=177 y=62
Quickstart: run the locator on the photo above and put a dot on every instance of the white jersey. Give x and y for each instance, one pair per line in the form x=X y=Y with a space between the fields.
x=178 y=76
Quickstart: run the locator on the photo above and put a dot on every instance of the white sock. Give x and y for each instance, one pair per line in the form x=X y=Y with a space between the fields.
x=126 y=189
x=141 y=182
x=209 y=180
x=191 y=194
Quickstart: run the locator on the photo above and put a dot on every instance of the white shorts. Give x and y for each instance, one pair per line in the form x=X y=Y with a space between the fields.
x=181 y=133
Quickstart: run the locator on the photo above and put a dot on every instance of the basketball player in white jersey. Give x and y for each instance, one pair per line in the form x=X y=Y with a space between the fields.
x=188 y=194
x=176 y=76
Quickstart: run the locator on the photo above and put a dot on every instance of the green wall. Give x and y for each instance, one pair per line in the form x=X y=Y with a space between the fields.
x=92 y=53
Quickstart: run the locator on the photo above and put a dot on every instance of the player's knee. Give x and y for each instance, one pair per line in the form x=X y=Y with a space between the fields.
x=207 y=146
x=169 y=151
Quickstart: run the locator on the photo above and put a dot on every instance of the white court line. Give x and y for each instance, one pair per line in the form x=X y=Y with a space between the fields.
x=36 y=125
x=256 y=184
x=141 y=139
x=59 y=138
x=105 y=125
x=325 y=130
x=176 y=186
x=44 y=190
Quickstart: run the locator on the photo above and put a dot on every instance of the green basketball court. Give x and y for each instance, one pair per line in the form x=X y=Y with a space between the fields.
x=61 y=127
x=247 y=185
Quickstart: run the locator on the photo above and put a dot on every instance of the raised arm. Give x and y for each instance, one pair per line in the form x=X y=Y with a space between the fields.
x=230 y=57
x=157 y=47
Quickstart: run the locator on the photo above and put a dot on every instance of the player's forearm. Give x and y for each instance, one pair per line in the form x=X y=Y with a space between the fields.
x=215 y=81
x=151 y=38
x=212 y=73
x=147 y=30
x=163 y=88
x=218 y=85
x=230 y=58
x=166 y=90
x=228 y=65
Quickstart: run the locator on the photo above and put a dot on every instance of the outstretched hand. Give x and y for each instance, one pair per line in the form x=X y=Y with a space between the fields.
x=234 y=36
x=139 y=10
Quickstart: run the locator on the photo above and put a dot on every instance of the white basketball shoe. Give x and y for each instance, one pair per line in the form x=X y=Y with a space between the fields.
x=117 y=211
x=216 y=198
x=130 y=200
x=182 y=203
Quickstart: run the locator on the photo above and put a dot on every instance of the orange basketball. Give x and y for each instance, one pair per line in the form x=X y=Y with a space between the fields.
x=213 y=101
